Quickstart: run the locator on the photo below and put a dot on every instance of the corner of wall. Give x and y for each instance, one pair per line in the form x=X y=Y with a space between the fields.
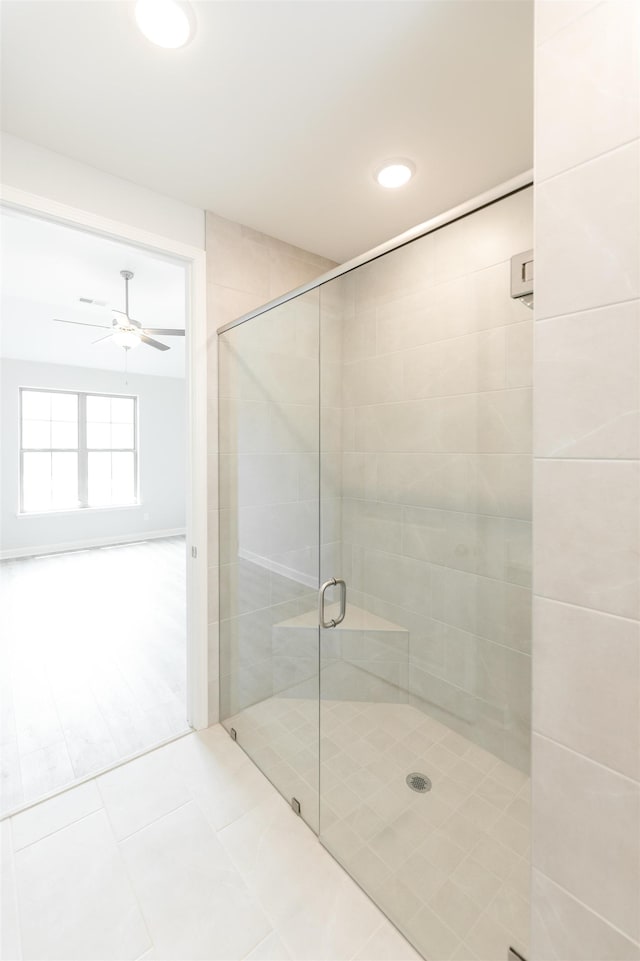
x=245 y=268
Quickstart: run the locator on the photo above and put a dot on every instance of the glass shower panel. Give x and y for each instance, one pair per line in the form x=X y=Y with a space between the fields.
x=426 y=513
x=269 y=544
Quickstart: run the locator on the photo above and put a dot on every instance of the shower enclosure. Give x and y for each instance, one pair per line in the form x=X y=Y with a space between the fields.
x=375 y=564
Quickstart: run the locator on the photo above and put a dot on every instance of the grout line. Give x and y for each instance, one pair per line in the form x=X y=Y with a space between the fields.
x=586 y=907
x=134 y=891
x=83 y=817
x=586 y=310
x=588 y=161
x=424 y=310
x=190 y=800
x=585 y=757
x=267 y=936
x=588 y=460
x=95 y=774
x=566 y=26
x=583 y=607
x=592 y=610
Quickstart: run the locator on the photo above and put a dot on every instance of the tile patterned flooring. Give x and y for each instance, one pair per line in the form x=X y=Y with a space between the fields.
x=450 y=867
x=92 y=662
x=187 y=852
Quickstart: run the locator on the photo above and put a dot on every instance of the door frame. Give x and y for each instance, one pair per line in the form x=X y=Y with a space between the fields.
x=197 y=694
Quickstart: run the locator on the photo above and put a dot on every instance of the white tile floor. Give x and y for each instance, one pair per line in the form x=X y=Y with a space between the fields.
x=185 y=853
x=92 y=662
x=450 y=867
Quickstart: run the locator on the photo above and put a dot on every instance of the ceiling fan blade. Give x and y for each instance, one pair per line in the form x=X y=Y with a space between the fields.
x=80 y=323
x=153 y=343
x=100 y=339
x=165 y=331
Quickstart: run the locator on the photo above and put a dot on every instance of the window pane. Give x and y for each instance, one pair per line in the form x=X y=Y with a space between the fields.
x=64 y=434
x=99 y=479
x=36 y=405
x=123 y=479
x=36 y=482
x=64 y=407
x=98 y=435
x=36 y=433
x=64 y=481
x=122 y=410
x=122 y=436
x=98 y=408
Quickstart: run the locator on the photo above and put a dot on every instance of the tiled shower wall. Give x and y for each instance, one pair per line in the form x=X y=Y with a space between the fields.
x=586 y=647
x=436 y=391
x=245 y=269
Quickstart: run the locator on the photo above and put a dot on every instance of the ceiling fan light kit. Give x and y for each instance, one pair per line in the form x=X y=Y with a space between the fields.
x=125 y=331
x=126 y=337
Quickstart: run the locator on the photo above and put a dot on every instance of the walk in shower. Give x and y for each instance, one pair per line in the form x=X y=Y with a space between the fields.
x=375 y=570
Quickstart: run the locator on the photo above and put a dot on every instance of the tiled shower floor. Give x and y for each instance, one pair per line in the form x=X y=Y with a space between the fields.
x=450 y=867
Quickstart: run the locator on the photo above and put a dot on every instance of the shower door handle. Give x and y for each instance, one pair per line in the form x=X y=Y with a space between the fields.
x=332 y=622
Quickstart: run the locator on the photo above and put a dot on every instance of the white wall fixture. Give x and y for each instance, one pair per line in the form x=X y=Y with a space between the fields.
x=395 y=173
x=166 y=23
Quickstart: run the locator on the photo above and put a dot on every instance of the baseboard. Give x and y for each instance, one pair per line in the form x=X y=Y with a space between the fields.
x=92 y=542
x=289 y=572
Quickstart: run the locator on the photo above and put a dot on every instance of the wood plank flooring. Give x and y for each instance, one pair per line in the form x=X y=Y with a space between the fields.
x=92 y=662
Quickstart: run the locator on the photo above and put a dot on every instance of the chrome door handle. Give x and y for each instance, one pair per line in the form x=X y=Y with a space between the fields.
x=332 y=622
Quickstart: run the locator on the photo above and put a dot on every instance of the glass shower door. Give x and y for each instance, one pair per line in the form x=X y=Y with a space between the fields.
x=425 y=685
x=269 y=544
x=375 y=438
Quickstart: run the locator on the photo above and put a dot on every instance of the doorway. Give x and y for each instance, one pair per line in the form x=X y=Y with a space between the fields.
x=101 y=577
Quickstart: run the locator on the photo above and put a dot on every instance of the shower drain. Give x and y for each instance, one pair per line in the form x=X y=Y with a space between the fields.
x=419 y=782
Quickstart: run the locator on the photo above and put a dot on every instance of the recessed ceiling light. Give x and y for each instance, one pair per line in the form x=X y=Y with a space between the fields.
x=164 y=22
x=395 y=173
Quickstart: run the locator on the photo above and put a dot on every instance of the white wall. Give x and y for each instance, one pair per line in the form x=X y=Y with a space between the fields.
x=586 y=571
x=162 y=460
x=28 y=167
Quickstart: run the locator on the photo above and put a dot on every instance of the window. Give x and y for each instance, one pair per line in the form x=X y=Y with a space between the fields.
x=77 y=450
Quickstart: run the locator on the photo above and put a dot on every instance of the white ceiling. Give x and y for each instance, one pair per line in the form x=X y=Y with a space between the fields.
x=47 y=267
x=277 y=112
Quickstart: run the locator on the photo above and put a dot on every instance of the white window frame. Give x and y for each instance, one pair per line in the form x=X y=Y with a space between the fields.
x=82 y=450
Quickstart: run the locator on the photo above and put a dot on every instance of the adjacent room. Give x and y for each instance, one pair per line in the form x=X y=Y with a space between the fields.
x=92 y=569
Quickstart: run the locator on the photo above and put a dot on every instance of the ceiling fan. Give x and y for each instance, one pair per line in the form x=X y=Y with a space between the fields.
x=124 y=330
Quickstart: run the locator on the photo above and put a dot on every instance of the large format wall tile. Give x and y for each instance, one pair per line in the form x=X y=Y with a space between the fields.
x=588 y=535
x=588 y=384
x=551 y=16
x=565 y=930
x=586 y=645
x=586 y=682
x=588 y=218
x=585 y=832
x=436 y=467
x=584 y=103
